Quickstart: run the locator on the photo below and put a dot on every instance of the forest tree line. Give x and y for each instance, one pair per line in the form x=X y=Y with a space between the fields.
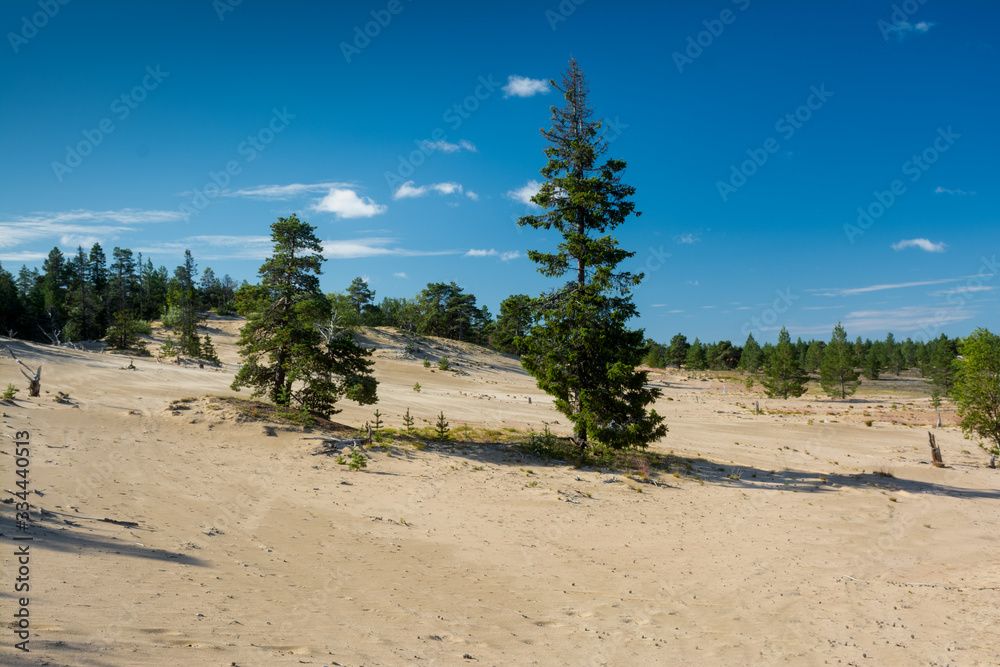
x=85 y=297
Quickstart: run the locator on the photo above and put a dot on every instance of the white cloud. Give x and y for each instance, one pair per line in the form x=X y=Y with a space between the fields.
x=945 y=191
x=472 y=195
x=345 y=203
x=522 y=86
x=904 y=28
x=686 y=238
x=907 y=318
x=24 y=257
x=448 y=147
x=839 y=291
x=492 y=252
x=964 y=289
x=373 y=247
x=282 y=192
x=676 y=311
x=77 y=227
x=923 y=244
x=401 y=274
x=408 y=190
x=524 y=193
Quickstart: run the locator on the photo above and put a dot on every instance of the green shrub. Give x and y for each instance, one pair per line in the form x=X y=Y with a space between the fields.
x=357 y=461
x=444 y=364
x=9 y=394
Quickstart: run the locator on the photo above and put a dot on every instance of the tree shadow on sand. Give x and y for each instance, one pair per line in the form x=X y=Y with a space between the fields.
x=52 y=533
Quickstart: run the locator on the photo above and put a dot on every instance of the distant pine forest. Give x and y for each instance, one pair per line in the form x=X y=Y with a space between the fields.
x=85 y=297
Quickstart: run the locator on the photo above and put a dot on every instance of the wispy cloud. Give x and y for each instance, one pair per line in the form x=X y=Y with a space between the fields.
x=522 y=86
x=923 y=244
x=964 y=289
x=687 y=238
x=903 y=29
x=346 y=203
x=282 y=192
x=407 y=190
x=374 y=247
x=401 y=274
x=839 y=291
x=907 y=318
x=945 y=191
x=68 y=229
x=524 y=193
x=504 y=256
x=448 y=147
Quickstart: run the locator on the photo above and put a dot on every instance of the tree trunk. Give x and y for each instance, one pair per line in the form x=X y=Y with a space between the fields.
x=935 y=451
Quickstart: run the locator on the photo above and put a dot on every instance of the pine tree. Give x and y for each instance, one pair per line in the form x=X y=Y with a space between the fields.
x=286 y=357
x=677 y=352
x=751 y=358
x=783 y=377
x=183 y=312
x=580 y=350
x=836 y=373
x=82 y=311
x=977 y=390
x=208 y=352
x=512 y=325
x=360 y=294
x=696 y=358
x=873 y=362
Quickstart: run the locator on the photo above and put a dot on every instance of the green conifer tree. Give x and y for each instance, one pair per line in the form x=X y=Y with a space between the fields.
x=285 y=355
x=836 y=373
x=783 y=377
x=580 y=350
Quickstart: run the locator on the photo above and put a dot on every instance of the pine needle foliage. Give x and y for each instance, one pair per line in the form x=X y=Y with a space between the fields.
x=579 y=349
x=286 y=355
x=783 y=377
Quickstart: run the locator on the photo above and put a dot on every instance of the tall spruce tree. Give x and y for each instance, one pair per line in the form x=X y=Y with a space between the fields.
x=286 y=356
x=580 y=350
x=783 y=377
x=185 y=298
x=836 y=372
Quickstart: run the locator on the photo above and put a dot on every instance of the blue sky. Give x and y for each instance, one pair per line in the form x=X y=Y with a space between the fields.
x=796 y=163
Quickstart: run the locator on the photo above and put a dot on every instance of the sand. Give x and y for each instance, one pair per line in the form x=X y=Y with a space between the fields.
x=782 y=545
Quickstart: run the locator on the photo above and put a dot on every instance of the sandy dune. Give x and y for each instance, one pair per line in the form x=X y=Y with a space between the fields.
x=782 y=546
